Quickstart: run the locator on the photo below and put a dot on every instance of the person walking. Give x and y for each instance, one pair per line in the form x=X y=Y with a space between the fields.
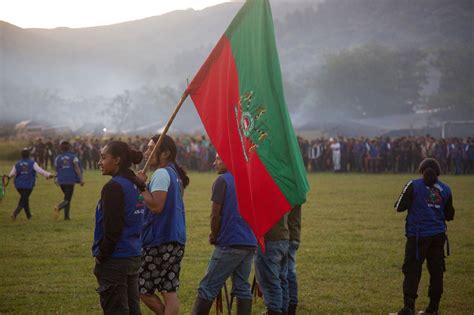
x=69 y=173
x=24 y=172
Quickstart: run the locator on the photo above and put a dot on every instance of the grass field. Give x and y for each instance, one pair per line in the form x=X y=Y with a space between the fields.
x=349 y=261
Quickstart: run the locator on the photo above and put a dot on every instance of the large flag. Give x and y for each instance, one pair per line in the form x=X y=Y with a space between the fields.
x=238 y=94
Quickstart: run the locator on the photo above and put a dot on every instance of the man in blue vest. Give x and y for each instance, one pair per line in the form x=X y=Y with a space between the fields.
x=430 y=204
x=69 y=173
x=24 y=172
x=235 y=246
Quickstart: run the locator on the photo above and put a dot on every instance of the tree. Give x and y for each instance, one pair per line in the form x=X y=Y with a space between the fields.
x=120 y=110
x=455 y=96
x=371 y=81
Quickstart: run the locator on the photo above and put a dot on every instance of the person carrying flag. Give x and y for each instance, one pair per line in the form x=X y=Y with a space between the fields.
x=164 y=228
x=69 y=173
x=235 y=246
x=24 y=172
x=430 y=204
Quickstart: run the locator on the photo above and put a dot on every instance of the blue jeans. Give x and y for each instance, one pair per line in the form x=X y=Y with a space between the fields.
x=292 y=282
x=226 y=262
x=271 y=269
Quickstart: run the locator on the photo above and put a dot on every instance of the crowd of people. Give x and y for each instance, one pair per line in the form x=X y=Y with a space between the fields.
x=384 y=154
x=339 y=154
x=195 y=152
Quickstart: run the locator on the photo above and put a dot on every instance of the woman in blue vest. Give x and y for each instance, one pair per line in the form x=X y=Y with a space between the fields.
x=164 y=229
x=69 y=173
x=24 y=172
x=235 y=247
x=430 y=204
x=118 y=223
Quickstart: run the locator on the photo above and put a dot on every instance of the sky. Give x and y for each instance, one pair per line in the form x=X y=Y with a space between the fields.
x=85 y=13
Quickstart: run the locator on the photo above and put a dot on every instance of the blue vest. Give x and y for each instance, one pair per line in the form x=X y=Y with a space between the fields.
x=129 y=244
x=426 y=215
x=170 y=224
x=66 y=173
x=25 y=174
x=234 y=230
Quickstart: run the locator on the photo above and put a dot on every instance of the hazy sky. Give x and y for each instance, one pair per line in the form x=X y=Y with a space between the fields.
x=84 y=13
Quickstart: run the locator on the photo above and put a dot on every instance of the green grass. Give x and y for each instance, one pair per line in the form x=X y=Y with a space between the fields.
x=349 y=261
x=10 y=149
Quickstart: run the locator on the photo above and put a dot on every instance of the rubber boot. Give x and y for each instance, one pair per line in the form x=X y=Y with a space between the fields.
x=244 y=306
x=292 y=309
x=202 y=306
x=272 y=312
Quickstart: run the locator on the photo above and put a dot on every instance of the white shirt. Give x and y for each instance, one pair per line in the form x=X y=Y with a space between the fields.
x=36 y=167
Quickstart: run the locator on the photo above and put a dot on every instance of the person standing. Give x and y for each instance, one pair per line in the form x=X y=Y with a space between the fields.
x=271 y=268
x=430 y=204
x=336 y=154
x=235 y=246
x=69 y=173
x=49 y=155
x=294 y=227
x=24 y=172
x=118 y=223
x=164 y=228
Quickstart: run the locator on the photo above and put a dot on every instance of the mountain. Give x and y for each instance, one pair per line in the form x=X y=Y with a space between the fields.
x=165 y=50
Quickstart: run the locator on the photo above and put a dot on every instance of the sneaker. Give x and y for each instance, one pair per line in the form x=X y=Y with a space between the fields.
x=12 y=217
x=428 y=312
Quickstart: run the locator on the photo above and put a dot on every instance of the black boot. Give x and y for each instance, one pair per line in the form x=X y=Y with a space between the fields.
x=244 y=306
x=272 y=312
x=292 y=309
x=201 y=306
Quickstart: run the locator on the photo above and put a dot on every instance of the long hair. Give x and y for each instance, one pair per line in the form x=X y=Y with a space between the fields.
x=430 y=169
x=125 y=153
x=169 y=145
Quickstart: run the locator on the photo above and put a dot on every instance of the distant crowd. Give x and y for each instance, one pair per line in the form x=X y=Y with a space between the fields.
x=396 y=155
x=195 y=153
x=340 y=154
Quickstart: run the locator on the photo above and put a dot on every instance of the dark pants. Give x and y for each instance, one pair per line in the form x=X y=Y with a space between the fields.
x=429 y=248
x=68 y=190
x=24 y=202
x=118 y=285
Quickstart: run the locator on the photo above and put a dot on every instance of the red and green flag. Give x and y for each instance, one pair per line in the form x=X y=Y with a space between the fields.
x=238 y=94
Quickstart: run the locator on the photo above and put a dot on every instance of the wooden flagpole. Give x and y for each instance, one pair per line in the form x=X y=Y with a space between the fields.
x=168 y=125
